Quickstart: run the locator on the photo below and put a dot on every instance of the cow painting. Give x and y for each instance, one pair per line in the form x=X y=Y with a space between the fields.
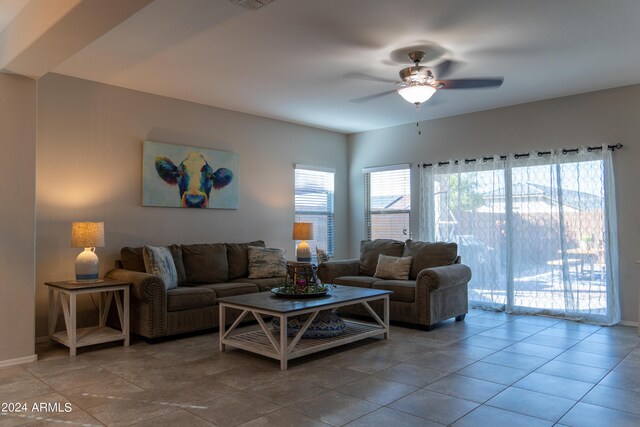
x=194 y=178
x=204 y=178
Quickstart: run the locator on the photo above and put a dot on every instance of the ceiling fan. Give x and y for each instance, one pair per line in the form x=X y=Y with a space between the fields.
x=419 y=82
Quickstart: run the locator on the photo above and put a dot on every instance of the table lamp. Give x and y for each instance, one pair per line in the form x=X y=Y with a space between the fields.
x=87 y=235
x=303 y=231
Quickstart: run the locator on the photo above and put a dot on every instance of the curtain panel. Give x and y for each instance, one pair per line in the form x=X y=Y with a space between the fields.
x=538 y=231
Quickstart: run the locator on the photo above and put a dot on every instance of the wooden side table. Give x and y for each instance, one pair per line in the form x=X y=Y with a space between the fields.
x=64 y=294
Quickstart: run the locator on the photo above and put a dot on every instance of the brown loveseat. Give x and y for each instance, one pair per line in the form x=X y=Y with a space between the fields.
x=206 y=272
x=436 y=289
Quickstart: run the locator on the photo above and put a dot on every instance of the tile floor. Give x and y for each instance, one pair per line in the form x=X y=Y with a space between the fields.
x=491 y=369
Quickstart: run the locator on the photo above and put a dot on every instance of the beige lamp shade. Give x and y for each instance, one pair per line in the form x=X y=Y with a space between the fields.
x=302 y=231
x=87 y=234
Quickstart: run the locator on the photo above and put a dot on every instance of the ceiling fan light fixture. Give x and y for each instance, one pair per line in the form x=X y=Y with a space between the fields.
x=417 y=94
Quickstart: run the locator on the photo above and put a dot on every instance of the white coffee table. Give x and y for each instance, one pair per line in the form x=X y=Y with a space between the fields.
x=278 y=345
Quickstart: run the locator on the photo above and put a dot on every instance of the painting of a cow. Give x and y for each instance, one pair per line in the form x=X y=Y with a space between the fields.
x=199 y=185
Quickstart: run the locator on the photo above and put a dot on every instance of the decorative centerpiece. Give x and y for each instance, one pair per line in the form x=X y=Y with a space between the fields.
x=302 y=282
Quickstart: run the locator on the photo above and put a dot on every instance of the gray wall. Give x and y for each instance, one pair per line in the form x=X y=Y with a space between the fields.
x=17 y=251
x=603 y=117
x=89 y=164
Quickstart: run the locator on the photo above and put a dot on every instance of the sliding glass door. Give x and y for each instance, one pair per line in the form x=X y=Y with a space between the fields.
x=538 y=232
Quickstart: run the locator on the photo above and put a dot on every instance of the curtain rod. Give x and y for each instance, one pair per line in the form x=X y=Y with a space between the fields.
x=517 y=156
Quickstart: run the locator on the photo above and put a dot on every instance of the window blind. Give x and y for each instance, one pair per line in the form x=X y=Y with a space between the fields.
x=314 y=202
x=388 y=202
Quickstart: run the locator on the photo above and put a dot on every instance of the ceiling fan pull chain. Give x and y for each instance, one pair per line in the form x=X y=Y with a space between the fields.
x=418 y=118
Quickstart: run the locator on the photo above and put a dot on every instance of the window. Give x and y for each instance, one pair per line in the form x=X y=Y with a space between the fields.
x=314 y=188
x=388 y=202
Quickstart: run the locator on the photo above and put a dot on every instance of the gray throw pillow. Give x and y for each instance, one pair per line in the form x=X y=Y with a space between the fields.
x=159 y=262
x=393 y=268
x=266 y=262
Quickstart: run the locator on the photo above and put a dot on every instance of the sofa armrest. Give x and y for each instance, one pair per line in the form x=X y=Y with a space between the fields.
x=444 y=277
x=146 y=287
x=327 y=271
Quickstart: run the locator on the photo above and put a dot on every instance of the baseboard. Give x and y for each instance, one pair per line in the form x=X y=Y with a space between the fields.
x=18 y=361
x=42 y=340
x=628 y=323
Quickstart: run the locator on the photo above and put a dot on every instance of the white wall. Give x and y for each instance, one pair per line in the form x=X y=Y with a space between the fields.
x=89 y=164
x=17 y=251
x=604 y=117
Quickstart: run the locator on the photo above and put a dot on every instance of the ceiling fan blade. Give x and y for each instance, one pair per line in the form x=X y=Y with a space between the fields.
x=471 y=83
x=363 y=76
x=372 y=97
x=444 y=68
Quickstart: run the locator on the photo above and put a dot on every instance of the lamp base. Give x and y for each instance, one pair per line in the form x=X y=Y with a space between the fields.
x=87 y=266
x=303 y=253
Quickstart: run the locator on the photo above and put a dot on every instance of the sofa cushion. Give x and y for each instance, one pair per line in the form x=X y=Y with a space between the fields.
x=237 y=257
x=357 y=281
x=132 y=259
x=263 y=284
x=266 y=262
x=188 y=298
x=428 y=255
x=205 y=263
x=230 y=289
x=159 y=262
x=176 y=253
x=403 y=290
x=391 y=267
x=371 y=249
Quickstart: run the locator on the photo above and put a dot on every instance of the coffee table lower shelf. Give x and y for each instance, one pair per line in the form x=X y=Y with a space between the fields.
x=278 y=345
x=258 y=342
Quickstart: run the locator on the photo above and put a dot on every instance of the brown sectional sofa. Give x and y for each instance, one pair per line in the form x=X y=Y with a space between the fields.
x=206 y=272
x=436 y=289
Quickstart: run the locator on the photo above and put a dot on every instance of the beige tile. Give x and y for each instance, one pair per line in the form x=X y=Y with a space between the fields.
x=78 y=377
x=466 y=388
x=495 y=373
x=366 y=363
x=12 y=392
x=245 y=377
x=437 y=407
x=284 y=418
x=121 y=412
x=534 y=404
x=329 y=376
x=178 y=418
x=575 y=372
x=418 y=376
x=91 y=395
x=14 y=374
x=490 y=416
x=386 y=417
x=555 y=386
x=377 y=390
x=234 y=408
x=286 y=391
x=334 y=408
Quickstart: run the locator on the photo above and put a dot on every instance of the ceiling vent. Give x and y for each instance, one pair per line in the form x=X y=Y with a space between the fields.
x=251 y=4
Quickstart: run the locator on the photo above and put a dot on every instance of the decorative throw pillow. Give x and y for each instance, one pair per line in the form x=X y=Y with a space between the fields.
x=393 y=268
x=266 y=262
x=371 y=249
x=322 y=256
x=159 y=262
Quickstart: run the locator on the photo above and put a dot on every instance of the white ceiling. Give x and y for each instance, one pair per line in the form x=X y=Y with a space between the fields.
x=289 y=60
x=9 y=9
